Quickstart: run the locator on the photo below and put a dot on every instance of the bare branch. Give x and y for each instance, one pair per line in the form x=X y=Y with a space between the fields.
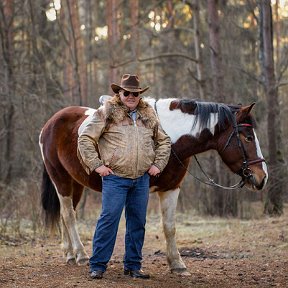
x=168 y=55
x=282 y=83
x=194 y=77
x=250 y=75
x=122 y=64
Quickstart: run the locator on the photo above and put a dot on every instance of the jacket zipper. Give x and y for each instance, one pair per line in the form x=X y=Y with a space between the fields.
x=137 y=137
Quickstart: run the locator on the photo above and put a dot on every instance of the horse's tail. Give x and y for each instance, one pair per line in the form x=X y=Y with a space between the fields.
x=50 y=201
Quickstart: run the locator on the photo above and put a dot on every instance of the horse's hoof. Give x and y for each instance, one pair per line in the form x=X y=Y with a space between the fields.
x=82 y=261
x=71 y=261
x=181 y=271
x=70 y=258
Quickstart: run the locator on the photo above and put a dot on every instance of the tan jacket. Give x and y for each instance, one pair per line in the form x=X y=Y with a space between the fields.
x=129 y=148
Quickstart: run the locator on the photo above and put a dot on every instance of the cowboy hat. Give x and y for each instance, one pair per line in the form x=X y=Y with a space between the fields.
x=129 y=83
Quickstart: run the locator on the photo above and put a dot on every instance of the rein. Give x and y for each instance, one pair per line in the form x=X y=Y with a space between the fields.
x=211 y=182
x=244 y=172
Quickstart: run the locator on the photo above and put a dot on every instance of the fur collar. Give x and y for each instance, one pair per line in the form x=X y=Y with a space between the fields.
x=115 y=112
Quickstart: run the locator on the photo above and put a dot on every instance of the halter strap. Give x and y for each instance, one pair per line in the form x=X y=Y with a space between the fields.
x=245 y=125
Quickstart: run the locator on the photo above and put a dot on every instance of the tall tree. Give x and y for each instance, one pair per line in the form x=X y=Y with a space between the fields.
x=8 y=89
x=113 y=37
x=77 y=54
x=172 y=42
x=75 y=74
x=197 y=45
x=88 y=44
x=68 y=78
x=135 y=45
x=274 y=202
x=223 y=202
x=215 y=50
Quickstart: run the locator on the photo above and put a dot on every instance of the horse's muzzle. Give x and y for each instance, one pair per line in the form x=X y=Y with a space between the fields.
x=252 y=183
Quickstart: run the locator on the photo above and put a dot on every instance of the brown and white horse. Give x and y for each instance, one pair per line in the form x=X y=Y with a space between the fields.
x=194 y=127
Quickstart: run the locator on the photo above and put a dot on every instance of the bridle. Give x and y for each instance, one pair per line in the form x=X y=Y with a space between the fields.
x=244 y=172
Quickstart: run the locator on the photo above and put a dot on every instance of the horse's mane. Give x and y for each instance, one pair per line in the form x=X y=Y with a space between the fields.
x=203 y=110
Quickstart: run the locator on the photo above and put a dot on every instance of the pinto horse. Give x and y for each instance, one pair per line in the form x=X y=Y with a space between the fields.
x=194 y=127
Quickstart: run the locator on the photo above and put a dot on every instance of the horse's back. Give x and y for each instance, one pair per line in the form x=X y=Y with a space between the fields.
x=60 y=130
x=68 y=117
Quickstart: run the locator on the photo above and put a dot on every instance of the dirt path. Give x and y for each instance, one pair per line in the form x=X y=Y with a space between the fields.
x=217 y=252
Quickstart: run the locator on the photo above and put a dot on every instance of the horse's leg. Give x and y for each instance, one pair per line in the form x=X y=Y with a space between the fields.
x=66 y=244
x=67 y=190
x=168 y=204
x=72 y=244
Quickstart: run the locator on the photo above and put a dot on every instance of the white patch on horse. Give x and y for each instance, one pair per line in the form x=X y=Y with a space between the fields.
x=176 y=123
x=168 y=200
x=260 y=155
x=168 y=204
x=90 y=113
x=69 y=218
x=104 y=98
x=41 y=145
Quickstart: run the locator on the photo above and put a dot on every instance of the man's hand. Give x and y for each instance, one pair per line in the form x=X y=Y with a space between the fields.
x=153 y=171
x=103 y=171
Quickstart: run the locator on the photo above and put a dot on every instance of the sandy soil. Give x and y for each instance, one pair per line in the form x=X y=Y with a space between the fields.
x=217 y=252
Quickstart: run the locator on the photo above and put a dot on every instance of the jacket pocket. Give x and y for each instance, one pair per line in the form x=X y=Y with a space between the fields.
x=109 y=161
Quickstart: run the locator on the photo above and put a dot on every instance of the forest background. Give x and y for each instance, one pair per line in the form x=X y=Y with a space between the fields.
x=55 y=54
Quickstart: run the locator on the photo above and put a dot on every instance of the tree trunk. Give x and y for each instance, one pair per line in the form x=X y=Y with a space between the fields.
x=215 y=50
x=277 y=32
x=171 y=87
x=113 y=37
x=77 y=54
x=89 y=8
x=224 y=202
x=135 y=47
x=198 y=54
x=274 y=202
x=8 y=89
x=68 y=79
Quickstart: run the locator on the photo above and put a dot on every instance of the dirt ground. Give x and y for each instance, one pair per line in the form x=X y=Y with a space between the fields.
x=217 y=253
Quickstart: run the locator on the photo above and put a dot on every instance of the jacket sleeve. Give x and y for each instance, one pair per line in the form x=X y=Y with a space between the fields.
x=87 y=143
x=162 y=149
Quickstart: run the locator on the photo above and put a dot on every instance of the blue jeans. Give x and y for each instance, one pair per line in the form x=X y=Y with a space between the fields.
x=118 y=192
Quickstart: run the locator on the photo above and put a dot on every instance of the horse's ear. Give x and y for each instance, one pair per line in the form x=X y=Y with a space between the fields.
x=247 y=109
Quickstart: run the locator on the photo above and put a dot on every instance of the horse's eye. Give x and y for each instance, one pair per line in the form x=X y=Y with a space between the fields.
x=249 y=138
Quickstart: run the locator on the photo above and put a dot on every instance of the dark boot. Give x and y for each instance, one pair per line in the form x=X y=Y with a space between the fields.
x=98 y=274
x=136 y=274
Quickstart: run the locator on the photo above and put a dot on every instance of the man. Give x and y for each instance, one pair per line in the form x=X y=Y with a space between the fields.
x=132 y=147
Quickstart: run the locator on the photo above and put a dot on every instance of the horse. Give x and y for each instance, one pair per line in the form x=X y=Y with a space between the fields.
x=193 y=126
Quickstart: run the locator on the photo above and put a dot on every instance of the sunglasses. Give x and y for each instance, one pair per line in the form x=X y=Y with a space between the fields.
x=127 y=93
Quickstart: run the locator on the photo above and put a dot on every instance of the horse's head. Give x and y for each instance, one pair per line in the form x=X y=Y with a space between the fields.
x=240 y=150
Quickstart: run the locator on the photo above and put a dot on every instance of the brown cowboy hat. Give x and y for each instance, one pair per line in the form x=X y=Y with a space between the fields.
x=129 y=83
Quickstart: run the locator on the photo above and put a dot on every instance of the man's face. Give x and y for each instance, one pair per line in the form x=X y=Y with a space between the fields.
x=129 y=99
